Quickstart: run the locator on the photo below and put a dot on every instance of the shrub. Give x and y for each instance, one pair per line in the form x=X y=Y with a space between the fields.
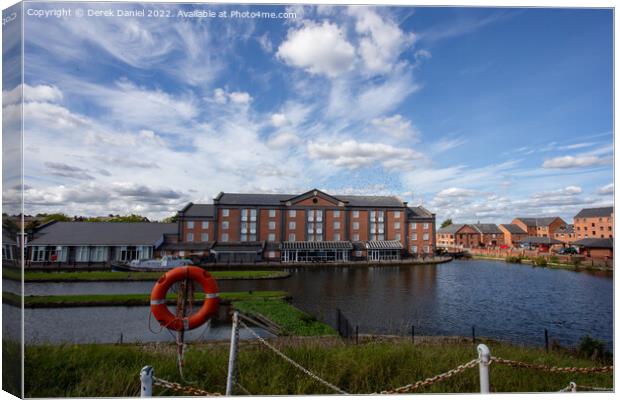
x=513 y=259
x=540 y=261
x=593 y=349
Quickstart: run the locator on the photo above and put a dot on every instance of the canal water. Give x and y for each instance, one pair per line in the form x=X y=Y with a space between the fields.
x=504 y=301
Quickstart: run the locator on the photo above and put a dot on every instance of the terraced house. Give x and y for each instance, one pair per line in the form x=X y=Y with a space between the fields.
x=470 y=236
x=312 y=226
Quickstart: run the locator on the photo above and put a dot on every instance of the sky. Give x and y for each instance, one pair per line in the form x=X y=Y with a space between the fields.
x=478 y=114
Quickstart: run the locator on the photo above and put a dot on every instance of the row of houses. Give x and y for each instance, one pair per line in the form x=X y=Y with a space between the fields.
x=248 y=227
x=592 y=229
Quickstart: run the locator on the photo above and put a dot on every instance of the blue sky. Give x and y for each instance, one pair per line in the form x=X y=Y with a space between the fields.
x=478 y=114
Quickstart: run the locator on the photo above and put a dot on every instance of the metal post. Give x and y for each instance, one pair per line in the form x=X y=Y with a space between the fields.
x=234 y=338
x=412 y=334
x=484 y=356
x=473 y=334
x=146 y=381
x=546 y=341
x=357 y=334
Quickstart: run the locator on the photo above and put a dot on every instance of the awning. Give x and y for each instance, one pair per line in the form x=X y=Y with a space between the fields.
x=316 y=245
x=237 y=247
x=384 y=245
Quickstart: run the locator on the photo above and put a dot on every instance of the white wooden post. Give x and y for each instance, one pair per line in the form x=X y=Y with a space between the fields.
x=234 y=338
x=146 y=381
x=484 y=356
x=573 y=387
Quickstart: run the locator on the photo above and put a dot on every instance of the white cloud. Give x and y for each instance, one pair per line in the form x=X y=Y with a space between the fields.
x=422 y=54
x=382 y=40
x=579 y=161
x=567 y=191
x=457 y=192
x=396 y=126
x=278 y=120
x=352 y=154
x=265 y=43
x=283 y=139
x=220 y=96
x=607 y=189
x=41 y=93
x=318 y=49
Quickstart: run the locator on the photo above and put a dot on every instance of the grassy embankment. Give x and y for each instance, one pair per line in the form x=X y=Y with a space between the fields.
x=112 y=370
x=101 y=276
x=141 y=299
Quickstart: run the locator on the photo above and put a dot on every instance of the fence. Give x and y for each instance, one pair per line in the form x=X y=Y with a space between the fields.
x=344 y=327
x=484 y=361
x=581 y=260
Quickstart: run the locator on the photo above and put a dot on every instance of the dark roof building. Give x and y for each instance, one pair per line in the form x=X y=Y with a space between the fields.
x=268 y=199
x=452 y=228
x=514 y=229
x=595 y=212
x=102 y=234
x=487 y=228
x=595 y=243
x=534 y=222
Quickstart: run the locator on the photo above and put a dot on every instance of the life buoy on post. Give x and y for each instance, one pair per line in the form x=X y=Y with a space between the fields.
x=158 y=298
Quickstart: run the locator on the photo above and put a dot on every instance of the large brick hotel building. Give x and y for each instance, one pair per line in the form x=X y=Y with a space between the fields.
x=312 y=226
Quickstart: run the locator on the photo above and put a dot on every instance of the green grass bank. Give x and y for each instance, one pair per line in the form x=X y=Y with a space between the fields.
x=522 y=260
x=102 y=276
x=373 y=366
x=290 y=320
x=141 y=299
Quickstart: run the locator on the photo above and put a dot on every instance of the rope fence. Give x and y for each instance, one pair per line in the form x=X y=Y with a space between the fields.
x=483 y=361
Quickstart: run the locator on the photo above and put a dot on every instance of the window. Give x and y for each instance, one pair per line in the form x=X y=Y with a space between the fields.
x=414 y=249
x=205 y=224
x=272 y=254
x=225 y=212
x=397 y=225
x=319 y=227
x=224 y=224
x=224 y=237
x=310 y=227
x=381 y=229
x=190 y=224
x=380 y=214
x=272 y=213
x=82 y=254
x=425 y=226
x=426 y=249
x=396 y=214
x=292 y=225
x=425 y=236
x=291 y=237
x=319 y=238
x=99 y=253
x=271 y=237
x=336 y=213
x=244 y=227
x=319 y=215
x=381 y=237
x=373 y=215
x=414 y=225
x=244 y=214
x=253 y=214
x=356 y=225
x=337 y=237
x=397 y=237
x=310 y=215
x=414 y=236
x=292 y=213
x=272 y=225
x=356 y=237
x=190 y=237
x=204 y=237
x=356 y=214
x=336 y=224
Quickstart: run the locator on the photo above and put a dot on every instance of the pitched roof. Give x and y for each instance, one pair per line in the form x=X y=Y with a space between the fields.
x=595 y=212
x=596 y=243
x=544 y=221
x=513 y=228
x=452 y=228
x=566 y=229
x=102 y=233
x=539 y=240
x=268 y=199
x=418 y=212
x=199 y=210
x=487 y=228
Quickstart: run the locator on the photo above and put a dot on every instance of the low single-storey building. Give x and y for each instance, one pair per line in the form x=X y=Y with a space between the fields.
x=87 y=243
x=596 y=247
x=542 y=243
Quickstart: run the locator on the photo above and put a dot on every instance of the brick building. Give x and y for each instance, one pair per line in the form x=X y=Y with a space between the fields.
x=469 y=236
x=594 y=223
x=565 y=234
x=541 y=227
x=513 y=234
x=312 y=226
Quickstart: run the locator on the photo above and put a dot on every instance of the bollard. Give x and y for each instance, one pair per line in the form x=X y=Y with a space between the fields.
x=234 y=338
x=546 y=341
x=146 y=381
x=573 y=387
x=484 y=356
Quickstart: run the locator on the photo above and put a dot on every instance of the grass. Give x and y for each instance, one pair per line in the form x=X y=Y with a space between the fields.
x=141 y=299
x=99 y=276
x=97 y=370
x=292 y=320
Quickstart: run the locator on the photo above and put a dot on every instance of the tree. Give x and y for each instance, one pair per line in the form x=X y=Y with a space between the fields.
x=172 y=219
x=447 y=222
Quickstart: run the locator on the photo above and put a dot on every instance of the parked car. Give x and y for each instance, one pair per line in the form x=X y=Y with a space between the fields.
x=568 y=250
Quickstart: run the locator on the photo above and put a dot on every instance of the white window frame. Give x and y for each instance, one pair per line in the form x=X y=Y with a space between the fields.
x=292 y=213
x=396 y=224
x=272 y=225
x=224 y=236
x=190 y=237
x=272 y=213
x=225 y=212
x=292 y=225
x=204 y=237
x=271 y=237
x=336 y=225
x=225 y=225
x=356 y=225
x=356 y=213
x=336 y=213
x=291 y=237
x=205 y=224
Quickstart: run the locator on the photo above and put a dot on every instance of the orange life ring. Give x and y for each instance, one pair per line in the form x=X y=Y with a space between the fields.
x=158 y=298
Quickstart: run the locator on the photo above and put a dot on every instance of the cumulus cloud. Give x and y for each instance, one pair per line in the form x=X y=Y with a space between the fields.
x=382 y=41
x=607 y=189
x=352 y=154
x=396 y=126
x=42 y=93
x=278 y=120
x=579 y=161
x=318 y=49
x=220 y=96
x=283 y=139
